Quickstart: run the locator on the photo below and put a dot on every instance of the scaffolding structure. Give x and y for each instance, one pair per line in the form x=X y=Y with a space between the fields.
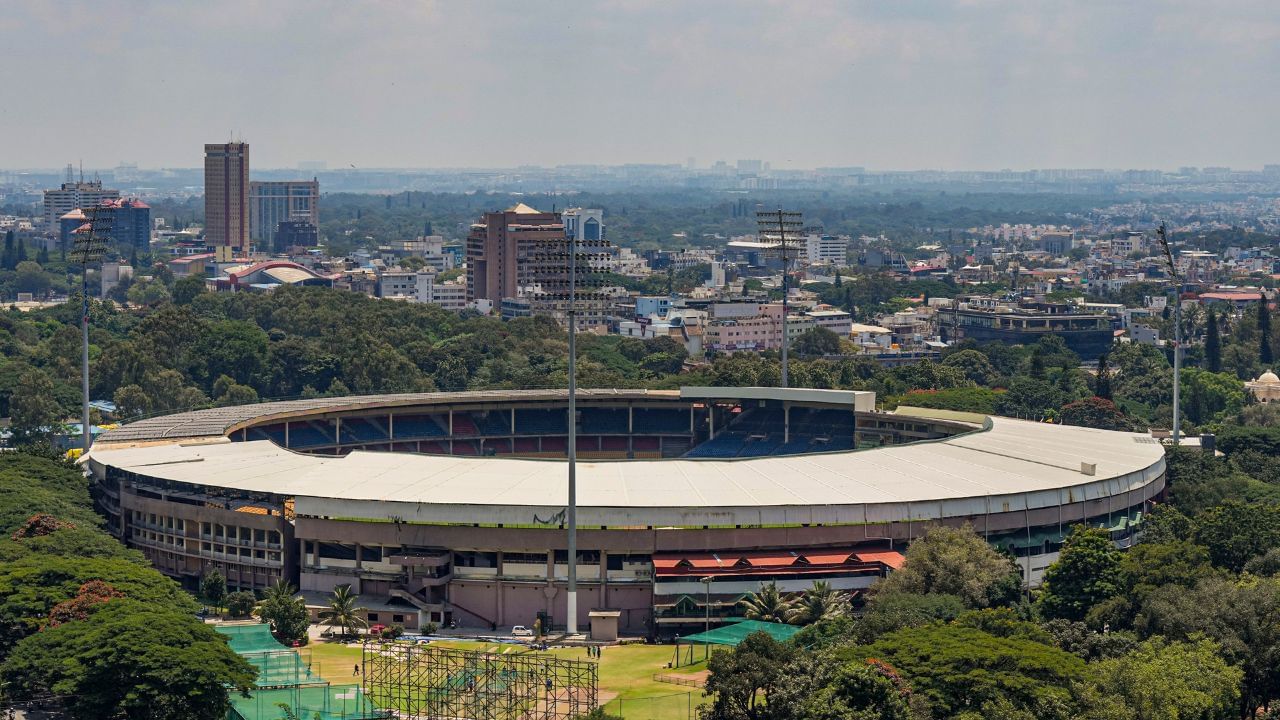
x=430 y=682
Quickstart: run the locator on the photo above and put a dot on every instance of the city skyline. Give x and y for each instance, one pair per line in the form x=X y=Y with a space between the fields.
x=949 y=86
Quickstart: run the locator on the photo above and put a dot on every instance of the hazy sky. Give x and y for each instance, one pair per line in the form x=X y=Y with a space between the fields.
x=802 y=83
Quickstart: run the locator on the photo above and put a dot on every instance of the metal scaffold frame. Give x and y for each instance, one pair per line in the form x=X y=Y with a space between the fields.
x=428 y=682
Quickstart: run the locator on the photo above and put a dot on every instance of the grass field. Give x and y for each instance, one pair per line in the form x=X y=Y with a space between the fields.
x=626 y=674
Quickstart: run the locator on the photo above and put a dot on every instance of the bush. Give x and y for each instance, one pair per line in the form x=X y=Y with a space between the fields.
x=240 y=604
x=430 y=628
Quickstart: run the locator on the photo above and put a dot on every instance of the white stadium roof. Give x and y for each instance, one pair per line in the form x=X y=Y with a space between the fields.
x=1010 y=465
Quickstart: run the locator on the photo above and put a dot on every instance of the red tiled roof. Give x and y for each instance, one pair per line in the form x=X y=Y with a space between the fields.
x=892 y=558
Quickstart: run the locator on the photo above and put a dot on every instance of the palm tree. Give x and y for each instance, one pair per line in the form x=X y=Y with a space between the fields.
x=278 y=592
x=820 y=602
x=343 y=612
x=767 y=605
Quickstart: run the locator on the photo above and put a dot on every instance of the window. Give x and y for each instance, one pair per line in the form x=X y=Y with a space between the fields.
x=373 y=617
x=397 y=618
x=371 y=553
x=337 y=551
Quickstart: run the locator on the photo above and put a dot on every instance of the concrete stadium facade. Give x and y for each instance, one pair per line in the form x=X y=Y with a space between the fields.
x=449 y=507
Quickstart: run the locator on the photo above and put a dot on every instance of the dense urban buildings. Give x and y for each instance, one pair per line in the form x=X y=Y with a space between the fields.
x=272 y=202
x=226 y=195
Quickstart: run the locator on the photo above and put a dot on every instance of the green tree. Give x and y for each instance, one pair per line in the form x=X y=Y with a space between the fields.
x=187 y=289
x=975 y=365
x=1102 y=381
x=816 y=342
x=767 y=604
x=285 y=611
x=1094 y=412
x=1212 y=344
x=820 y=602
x=869 y=690
x=1162 y=680
x=35 y=416
x=132 y=660
x=1239 y=615
x=213 y=588
x=1086 y=573
x=131 y=401
x=1235 y=532
x=959 y=668
x=742 y=681
x=344 y=612
x=955 y=561
x=29 y=277
x=1030 y=398
x=240 y=604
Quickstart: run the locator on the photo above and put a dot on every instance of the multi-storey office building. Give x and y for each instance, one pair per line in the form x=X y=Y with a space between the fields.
x=226 y=195
x=273 y=202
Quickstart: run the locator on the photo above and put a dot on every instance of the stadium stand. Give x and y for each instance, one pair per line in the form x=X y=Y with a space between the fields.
x=658 y=421
x=416 y=426
x=541 y=422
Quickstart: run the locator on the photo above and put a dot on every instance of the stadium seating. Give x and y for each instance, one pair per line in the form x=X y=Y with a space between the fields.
x=724 y=445
x=362 y=430
x=604 y=421
x=494 y=422
x=526 y=445
x=651 y=420
x=464 y=426
x=541 y=422
x=416 y=426
x=309 y=434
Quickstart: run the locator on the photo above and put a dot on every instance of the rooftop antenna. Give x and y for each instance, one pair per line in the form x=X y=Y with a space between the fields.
x=780 y=235
x=1163 y=234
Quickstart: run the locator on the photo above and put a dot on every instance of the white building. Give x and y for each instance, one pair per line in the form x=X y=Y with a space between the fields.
x=821 y=248
x=74 y=195
x=585 y=224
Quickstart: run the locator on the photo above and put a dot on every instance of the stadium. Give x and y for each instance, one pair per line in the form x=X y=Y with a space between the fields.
x=450 y=507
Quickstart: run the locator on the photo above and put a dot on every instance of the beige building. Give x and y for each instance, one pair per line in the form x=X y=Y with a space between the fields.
x=226 y=195
x=1266 y=388
x=273 y=202
x=74 y=196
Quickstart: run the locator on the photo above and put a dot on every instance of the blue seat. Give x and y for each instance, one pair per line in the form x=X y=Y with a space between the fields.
x=416 y=426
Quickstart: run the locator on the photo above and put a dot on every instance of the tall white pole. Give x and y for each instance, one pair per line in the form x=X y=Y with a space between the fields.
x=1177 y=360
x=571 y=604
x=86 y=437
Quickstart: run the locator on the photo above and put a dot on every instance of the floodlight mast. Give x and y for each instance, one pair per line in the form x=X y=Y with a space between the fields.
x=774 y=227
x=1163 y=234
x=88 y=248
x=565 y=279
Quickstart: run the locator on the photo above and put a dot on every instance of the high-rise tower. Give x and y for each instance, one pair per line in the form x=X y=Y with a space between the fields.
x=226 y=195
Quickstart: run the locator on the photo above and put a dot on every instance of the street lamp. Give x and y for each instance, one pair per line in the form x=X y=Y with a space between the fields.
x=706 y=605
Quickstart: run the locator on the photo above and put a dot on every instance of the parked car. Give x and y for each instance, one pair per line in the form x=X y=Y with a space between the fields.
x=521 y=631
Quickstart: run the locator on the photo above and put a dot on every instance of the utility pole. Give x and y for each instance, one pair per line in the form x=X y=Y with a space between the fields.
x=566 y=279
x=90 y=244
x=1163 y=234
x=780 y=234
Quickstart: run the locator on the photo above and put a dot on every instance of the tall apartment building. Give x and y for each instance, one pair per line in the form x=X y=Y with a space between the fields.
x=74 y=196
x=274 y=202
x=500 y=251
x=226 y=195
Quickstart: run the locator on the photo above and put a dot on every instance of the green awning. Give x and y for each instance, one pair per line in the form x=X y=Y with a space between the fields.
x=731 y=635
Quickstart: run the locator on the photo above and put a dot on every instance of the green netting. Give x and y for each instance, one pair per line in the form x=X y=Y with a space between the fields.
x=276 y=669
x=332 y=702
x=733 y=634
x=250 y=638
